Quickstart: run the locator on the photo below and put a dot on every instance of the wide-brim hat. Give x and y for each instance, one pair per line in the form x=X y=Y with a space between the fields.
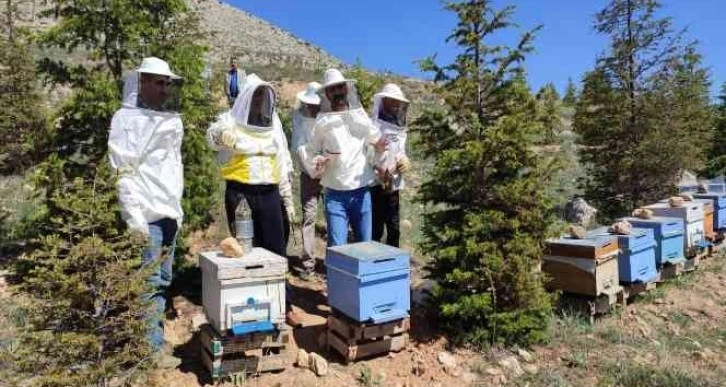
x=334 y=77
x=153 y=65
x=310 y=94
x=392 y=91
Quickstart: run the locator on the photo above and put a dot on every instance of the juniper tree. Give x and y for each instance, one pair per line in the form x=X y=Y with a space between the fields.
x=641 y=106
x=488 y=214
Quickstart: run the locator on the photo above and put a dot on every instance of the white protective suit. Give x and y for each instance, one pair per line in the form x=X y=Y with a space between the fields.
x=302 y=133
x=145 y=151
x=260 y=154
x=395 y=135
x=347 y=138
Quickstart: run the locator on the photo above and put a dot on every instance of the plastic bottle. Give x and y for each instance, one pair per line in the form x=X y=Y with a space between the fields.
x=243 y=225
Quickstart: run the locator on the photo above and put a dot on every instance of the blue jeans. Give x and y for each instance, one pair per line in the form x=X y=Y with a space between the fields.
x=348 y=207
x=159 y=251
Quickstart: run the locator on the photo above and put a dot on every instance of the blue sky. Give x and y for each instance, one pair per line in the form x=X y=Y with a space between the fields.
x=392 y=34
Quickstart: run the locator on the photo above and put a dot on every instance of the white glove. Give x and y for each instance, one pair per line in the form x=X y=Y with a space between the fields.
x=229 y=138
x=403 y=165
x=290 y=211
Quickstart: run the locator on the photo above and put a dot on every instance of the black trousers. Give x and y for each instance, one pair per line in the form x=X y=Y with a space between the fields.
x=385 y=215
x=264 y=201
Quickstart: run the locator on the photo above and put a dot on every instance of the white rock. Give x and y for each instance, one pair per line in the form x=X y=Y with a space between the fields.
x=530 y=368
x=526 y=356
x=303 y=359
x=511 y=364
x=318 y=364
x=447 y=360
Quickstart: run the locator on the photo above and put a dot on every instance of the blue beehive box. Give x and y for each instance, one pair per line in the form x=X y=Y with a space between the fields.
x=636 y=260
x=719 y=208
x=369 y=281
x=668 y=234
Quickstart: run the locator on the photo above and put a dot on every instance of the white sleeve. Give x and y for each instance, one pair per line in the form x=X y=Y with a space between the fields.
x=124 y=155
x=286 y=159
x=313 y=148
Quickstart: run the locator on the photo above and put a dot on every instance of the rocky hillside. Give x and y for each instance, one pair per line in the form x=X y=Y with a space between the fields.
x=254 y=41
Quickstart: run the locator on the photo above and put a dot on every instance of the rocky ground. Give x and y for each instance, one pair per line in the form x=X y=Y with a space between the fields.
x=672 y=336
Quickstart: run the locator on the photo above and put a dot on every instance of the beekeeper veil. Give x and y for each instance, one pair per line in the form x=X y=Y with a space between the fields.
x=255 y=105
x=390 y=106
x=340 y=104
x=153 y=87
x=338 y=94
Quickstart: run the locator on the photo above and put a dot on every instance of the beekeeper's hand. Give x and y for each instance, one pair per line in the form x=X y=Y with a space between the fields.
x=381 y=144
x=320 y=162
x=403 y=165
x=229 y=138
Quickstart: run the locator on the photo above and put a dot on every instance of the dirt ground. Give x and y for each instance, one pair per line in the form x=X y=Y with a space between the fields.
x=672 y=336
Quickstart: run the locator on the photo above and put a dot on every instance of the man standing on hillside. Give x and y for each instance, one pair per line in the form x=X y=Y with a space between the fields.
x=233 y=80
x=342 y=151
x=145 y=151
x=390 y=109
x=303 y=119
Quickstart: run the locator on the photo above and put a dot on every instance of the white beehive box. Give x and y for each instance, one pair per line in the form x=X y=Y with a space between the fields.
x=230 y=284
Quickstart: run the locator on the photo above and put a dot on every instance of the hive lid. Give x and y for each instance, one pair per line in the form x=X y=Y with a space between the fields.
x=639 y=237
x=256 y=264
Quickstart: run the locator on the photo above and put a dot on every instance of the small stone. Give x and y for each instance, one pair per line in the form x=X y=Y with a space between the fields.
x=469 y=377
x=697 y=344
x=511 y=364
x=447 y=360
x=530 y=368
x=493 y=371
x=526 y=356
x=303 y=359
x=659 y=301
x=318 y=364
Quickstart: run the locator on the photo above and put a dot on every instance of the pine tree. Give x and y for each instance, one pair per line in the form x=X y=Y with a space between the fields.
x=86 y=323
x=549 y=108
x=717 y=155
x=489 y=215
x=21 y=119
x=570 y=98
x=640 y=108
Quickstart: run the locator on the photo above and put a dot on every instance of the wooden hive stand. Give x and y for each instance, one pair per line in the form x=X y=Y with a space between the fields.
x=634 y=289
x=227 y=355
x=354 y=340
x=671 y=270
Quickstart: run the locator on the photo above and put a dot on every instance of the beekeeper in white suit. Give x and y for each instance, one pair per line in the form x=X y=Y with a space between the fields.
x=255 y=162
x=390 y=110
x=145 y=151
x=342 y=151
x=306 y=110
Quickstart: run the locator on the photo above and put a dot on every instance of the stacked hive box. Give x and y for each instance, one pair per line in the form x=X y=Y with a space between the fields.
x=719 y=204
x=692 y=214
x=668 y=233
x=244 y=300
x=583 y=266
x=369 y=281
x=369 y=293
x=636 y=260
x=244 y=294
